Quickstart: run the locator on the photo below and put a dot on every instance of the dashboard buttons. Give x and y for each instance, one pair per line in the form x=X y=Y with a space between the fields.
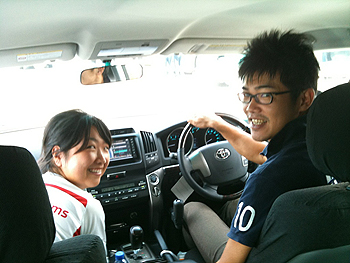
x=152 y=158
x=121 y=195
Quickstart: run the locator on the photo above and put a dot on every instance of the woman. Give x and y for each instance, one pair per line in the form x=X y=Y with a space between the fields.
x=74 y=156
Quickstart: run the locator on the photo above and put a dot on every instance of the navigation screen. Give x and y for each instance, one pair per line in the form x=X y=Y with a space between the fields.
x=121 y=150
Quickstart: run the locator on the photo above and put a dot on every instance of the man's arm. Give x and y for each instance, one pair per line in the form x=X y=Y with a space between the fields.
x=234 y=252
x=240 y=140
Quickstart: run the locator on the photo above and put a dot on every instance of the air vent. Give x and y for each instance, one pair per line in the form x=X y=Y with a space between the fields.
x=148 y=142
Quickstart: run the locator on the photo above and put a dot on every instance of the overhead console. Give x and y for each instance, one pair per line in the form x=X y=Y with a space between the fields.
x=113 y=49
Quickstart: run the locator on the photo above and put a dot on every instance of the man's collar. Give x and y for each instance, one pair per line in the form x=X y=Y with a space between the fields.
x=292 y=131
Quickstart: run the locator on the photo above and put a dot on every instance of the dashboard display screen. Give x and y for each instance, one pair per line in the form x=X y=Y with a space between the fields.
x=121 y=150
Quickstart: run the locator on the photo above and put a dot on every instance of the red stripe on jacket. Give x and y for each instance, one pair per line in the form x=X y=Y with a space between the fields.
x=74 y=195
x=77 y=233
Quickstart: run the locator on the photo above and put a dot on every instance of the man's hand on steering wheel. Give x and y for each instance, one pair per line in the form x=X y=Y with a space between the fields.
x=218 y=164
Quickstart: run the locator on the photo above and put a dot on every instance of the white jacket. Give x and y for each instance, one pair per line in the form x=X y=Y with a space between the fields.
x=75 y=211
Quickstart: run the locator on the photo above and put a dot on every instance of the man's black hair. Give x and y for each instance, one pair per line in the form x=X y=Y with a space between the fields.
x=287 y=53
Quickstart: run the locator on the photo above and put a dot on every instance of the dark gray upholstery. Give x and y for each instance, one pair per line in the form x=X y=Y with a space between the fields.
x=84 y=248
x=305 y=220
x=313 y=225
x=27 y=229
x=328 y=132
x=334 y=255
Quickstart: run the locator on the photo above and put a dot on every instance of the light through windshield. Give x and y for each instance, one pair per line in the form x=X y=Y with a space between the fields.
x=178 y=85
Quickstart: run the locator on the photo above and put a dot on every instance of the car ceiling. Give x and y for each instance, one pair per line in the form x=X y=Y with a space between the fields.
x=186 y=26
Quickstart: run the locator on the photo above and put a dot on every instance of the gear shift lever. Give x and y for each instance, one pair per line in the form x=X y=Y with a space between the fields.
x=136 y=238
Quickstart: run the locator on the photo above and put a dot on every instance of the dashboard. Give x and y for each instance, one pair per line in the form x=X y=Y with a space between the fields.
x=134 y=155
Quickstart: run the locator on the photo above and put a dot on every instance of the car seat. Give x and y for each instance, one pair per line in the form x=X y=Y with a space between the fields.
x=27 y=229
x=312 y=225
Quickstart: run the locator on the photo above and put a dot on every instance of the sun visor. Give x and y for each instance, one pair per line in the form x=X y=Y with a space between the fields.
x=34 y=55
x=206 y=46
x=330 y=38
x=115 y=49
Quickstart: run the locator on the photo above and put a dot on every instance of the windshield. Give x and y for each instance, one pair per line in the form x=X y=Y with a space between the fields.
x=180 y=84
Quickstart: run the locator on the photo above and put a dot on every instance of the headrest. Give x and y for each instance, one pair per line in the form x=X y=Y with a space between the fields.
x=328 y=132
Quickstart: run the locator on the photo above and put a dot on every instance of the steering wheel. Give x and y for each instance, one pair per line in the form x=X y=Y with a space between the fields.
x=218 y=165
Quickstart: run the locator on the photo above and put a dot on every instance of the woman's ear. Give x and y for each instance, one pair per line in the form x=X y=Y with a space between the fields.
x=307 y=97
x=56 y=155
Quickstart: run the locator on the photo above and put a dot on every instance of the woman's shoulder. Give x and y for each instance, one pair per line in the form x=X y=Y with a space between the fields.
x=56 y=181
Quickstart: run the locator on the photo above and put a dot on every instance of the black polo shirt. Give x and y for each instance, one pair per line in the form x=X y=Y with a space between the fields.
x=288 y=167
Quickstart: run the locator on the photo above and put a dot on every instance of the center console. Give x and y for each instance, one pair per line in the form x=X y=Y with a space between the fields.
x=123 y=190
x=124 y=178
x=129 y=192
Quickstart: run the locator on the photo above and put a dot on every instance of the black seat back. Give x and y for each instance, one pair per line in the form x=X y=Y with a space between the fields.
x=27 y=228
x=26 y=223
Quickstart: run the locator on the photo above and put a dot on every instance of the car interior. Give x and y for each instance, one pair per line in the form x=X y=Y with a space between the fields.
x=158 y=62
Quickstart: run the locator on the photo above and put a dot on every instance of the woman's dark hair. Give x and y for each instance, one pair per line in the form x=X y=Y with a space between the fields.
x=287 y=53
x=67 y=130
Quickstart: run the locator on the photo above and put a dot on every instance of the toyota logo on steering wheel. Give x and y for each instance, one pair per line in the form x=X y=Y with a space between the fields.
x=222 y=154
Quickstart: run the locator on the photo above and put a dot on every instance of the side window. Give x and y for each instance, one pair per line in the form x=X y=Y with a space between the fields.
x=334 y=66
x=248 y=212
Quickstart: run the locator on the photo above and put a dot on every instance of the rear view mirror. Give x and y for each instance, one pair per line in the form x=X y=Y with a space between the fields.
x=109 y=74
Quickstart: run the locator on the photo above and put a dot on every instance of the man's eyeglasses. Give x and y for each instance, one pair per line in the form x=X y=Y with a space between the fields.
x=261 y=98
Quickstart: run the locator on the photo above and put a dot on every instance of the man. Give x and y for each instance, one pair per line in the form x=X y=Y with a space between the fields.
x=280 y=75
